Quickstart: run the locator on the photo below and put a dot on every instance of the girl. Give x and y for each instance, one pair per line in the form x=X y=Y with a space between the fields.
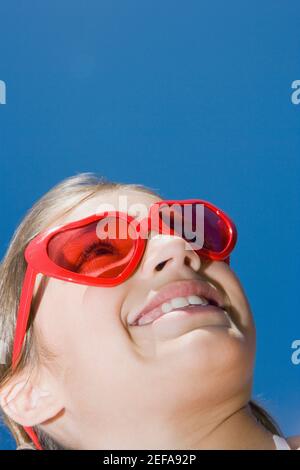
x=140 y=342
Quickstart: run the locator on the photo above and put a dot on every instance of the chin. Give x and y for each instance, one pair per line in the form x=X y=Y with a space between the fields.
x=215 y=354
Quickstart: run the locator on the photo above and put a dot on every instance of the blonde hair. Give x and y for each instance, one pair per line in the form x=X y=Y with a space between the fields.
x=58 y=201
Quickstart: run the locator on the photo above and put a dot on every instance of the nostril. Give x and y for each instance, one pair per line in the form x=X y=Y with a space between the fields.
x=160 y=266
x=187 y=261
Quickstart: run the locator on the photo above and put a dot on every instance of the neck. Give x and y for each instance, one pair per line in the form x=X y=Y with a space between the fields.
x=231 y=430
x=228 y=427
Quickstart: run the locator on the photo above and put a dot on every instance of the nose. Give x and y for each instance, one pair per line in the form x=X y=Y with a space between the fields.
x=168 y=252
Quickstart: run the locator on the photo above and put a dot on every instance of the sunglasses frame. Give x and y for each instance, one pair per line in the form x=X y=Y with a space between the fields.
x=38 y=261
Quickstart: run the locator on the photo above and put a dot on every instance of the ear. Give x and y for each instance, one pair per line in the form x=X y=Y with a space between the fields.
x=29 y=401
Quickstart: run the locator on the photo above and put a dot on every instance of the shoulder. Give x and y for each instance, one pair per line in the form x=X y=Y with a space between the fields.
x=294 y=442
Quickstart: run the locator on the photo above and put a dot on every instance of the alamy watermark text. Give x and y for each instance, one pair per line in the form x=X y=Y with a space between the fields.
x=2 y=92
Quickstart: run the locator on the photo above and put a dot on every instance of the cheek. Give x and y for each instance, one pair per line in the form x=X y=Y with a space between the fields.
x=240 y=310
x=101 y=326
x=102 y=306
x=82 y=329
x=103 y=358
x=80 y=324
x=226 y=280
x=58 y=317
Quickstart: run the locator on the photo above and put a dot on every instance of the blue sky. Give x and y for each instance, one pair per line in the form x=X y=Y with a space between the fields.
x=190 y=98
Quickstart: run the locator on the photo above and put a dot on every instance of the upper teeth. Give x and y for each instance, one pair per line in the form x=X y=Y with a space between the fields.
x=178 y=302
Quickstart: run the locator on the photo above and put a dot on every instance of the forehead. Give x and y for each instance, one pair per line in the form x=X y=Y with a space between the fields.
x=134 y=202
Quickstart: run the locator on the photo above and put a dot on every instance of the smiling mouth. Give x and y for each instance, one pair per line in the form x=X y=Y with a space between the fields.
x=188 y=295
x=191 y=304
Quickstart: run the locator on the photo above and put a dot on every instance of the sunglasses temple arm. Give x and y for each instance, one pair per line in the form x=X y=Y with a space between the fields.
x=23 y=313
x=21 y=326
x=31 y=433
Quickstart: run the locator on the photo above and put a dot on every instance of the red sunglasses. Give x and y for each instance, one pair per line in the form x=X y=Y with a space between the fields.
x=85 y=252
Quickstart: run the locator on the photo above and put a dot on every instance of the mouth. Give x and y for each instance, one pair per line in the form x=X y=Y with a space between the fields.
x=191 y=296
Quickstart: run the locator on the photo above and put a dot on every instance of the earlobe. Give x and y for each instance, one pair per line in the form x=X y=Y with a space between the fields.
x=28 y=404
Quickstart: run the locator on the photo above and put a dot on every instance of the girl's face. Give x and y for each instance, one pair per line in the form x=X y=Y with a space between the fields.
x=108 y=373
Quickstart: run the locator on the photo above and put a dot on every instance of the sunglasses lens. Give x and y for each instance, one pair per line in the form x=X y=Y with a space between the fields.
x=199 y=225
x=100 y=249
x=215 y=231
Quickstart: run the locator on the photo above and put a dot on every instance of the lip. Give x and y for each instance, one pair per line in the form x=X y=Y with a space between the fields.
x=181 y=288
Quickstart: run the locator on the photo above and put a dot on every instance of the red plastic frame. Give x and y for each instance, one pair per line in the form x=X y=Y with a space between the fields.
x=38 y=261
